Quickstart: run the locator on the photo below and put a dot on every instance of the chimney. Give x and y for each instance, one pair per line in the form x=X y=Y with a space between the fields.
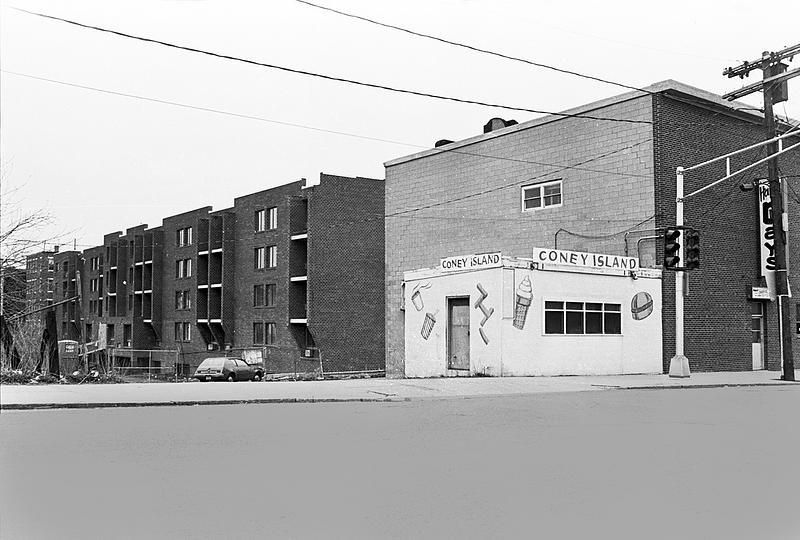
x=498 y=123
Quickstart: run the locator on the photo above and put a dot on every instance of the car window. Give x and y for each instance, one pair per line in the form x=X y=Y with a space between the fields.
x=212 y=363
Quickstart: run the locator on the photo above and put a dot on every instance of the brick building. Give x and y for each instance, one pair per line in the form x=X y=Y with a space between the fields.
x=294 y=271
x=592 y=185
x=40 y=279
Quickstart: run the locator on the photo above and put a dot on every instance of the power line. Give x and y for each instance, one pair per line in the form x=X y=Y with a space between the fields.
x=303 y=126
x=330 y=77
x=209 y=109
x=610 y=235
x=517 y=183
x=473 y=48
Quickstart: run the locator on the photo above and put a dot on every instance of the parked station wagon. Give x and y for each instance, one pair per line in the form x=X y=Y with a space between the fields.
x=228 y=369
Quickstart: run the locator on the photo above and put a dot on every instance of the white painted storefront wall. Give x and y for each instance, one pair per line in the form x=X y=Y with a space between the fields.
x=499 y=347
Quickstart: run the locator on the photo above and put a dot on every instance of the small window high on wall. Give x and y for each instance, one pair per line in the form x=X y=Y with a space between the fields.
x=544 y=195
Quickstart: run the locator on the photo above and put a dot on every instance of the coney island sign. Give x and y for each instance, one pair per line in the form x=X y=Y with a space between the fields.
x=471 y=262
x=590 y=260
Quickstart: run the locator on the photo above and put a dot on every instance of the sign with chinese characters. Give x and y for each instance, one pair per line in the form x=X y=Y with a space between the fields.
x=766 y=238
x=591 y=260
x=471 y=262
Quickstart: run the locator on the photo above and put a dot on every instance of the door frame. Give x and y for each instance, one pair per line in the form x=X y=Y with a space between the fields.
x=761 y=317
x=447 y=301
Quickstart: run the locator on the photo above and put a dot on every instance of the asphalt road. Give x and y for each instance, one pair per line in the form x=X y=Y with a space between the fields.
x=698 y=463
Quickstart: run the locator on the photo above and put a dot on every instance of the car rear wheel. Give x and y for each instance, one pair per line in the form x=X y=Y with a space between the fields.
x=231 y=377
x=257 y=377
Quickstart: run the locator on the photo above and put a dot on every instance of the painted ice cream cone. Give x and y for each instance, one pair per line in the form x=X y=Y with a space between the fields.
x=524 y=298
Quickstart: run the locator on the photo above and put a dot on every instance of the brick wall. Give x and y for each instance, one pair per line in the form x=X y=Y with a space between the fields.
x=482 y=181
x=346 y=272
x=282 y=354
x=191 y=352
x=717 y=310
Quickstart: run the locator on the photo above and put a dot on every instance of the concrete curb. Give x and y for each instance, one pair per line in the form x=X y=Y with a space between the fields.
x=388 y=399
x=710 y=385
x=131 y=404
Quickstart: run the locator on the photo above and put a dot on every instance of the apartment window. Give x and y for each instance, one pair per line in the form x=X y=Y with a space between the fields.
x=258 y=295
x=264 y=295
x=183 y=300
x=259 y=258
x=265 y=257
x=184 y=236
x=95 y=263
x=183 y=268
x=183 y=331
x=260 y=220
x=541 y=196
x=126 y=335
x=582 y=318
x=266 y=218
x=269 y=300
x=263 y=333
x=93 y=284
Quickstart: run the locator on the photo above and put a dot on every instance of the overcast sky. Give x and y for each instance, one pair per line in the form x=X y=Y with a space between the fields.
x=98 y=162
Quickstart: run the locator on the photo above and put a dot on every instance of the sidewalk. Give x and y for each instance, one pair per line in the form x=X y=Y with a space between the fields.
x=56 y=396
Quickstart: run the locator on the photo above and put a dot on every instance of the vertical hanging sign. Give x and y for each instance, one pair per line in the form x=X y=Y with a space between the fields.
x=766 y=237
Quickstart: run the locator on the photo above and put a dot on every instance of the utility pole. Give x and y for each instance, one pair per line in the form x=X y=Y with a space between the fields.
x=774 y=87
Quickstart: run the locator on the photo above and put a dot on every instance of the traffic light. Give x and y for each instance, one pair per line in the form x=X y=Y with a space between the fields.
x=691 y=249
x=673 y=240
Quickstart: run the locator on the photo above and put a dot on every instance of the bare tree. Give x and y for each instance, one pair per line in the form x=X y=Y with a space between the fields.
x=19 y=235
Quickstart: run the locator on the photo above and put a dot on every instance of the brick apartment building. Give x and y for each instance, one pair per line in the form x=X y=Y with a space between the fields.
x=294 y=271
x=591 y=185
x=40 y=279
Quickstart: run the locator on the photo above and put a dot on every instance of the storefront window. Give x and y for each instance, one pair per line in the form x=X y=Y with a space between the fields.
x=582 y=318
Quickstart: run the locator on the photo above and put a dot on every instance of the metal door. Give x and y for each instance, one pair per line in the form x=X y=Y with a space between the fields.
x=757 y=329
x=458 y=333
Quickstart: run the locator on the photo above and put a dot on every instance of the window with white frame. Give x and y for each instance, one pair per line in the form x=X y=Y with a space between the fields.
x=184 y=236
x=562 y=317
x=544 y=195
x=259 y=258
x=272 y=256
x=183 y=300
x=266 y=218
x=183 y=268
x=260 y=220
